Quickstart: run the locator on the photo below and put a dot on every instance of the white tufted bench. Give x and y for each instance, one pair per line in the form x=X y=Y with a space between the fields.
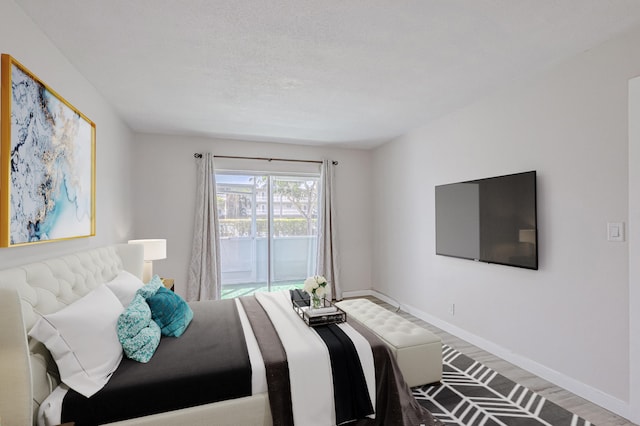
x=417 y=350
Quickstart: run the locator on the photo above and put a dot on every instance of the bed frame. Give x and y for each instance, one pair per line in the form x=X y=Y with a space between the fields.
x=28 y=374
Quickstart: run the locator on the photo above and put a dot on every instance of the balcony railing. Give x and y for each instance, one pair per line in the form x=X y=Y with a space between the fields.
x=247 y=289
x=244 y=263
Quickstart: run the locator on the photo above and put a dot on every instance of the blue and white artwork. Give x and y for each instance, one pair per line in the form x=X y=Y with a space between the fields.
x=51 y=165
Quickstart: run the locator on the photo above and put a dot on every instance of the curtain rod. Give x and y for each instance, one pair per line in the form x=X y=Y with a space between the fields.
x=199 y=155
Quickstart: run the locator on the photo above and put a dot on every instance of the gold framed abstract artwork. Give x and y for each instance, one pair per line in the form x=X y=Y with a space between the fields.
x=47 y=162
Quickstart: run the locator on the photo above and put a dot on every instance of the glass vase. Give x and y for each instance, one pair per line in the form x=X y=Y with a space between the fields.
x=315 y=301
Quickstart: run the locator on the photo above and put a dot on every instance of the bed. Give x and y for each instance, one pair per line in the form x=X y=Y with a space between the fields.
x=29 y=375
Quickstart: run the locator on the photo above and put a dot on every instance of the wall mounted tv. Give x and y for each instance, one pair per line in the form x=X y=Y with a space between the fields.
x=489 y=220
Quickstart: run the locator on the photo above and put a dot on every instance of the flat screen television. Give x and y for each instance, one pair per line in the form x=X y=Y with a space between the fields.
x=491 y=220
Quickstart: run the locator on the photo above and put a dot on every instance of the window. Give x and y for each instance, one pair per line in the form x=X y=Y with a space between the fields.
x=268 y=230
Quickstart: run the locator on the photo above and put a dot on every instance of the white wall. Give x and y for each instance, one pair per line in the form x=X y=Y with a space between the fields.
x=634 y=246
x=23 y=40
x=568 y=321
x=165 y=180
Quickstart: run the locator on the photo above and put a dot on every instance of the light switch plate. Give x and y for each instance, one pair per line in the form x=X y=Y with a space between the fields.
x=615 y=231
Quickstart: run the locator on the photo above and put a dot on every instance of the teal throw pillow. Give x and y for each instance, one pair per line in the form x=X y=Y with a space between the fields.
x=151 y=287
x=139 y=335
x=170 y=312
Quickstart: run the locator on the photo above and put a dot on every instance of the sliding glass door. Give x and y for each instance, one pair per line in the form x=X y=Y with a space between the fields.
x=268 y=231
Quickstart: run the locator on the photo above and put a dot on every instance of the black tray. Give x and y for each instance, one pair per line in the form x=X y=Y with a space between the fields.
x=316 y=319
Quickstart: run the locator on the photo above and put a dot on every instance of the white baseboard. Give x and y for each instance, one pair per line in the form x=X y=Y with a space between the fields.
x=583 y=390
x=358 y=293
x=374 y=293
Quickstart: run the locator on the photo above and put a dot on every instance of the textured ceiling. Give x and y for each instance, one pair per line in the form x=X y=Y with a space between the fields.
x=346 y=72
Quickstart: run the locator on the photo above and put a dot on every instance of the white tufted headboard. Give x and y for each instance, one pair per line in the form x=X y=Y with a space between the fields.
x=42 y=288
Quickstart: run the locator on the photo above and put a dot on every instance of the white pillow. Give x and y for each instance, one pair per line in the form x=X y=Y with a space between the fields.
x=124 y=286
x=83 y=340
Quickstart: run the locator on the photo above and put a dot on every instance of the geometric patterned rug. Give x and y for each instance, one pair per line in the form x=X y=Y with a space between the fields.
x=472 y=394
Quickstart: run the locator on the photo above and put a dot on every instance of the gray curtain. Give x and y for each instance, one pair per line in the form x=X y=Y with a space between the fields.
x=327 y=262
x=205 y=281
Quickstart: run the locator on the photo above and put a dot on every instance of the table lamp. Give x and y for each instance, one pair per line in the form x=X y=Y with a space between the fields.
x=154 y=249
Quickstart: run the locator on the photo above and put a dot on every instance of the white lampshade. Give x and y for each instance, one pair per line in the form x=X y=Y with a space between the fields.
x=154 y=249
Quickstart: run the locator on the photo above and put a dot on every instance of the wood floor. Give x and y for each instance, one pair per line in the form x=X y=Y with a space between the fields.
x=585 y=409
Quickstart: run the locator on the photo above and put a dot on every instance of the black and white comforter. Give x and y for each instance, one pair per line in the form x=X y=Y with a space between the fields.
x=211 y=362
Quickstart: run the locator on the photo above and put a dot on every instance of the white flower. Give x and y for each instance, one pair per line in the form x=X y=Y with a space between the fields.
x=310 y=284
x=321 y=291
x=315 y=285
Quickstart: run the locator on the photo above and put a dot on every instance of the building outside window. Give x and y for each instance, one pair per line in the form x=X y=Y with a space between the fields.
x=268 y=230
